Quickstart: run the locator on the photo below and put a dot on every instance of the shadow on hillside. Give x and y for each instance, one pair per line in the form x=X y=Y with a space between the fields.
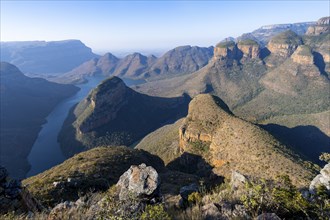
x=319 y=62
x=264 y=53
x=196 y=165
x=306 y=140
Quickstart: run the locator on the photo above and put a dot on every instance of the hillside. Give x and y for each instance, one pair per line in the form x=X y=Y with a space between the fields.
x=45 y=58
x=288 y=78
x=180 y=60
x=227 y=143
x=25 y=103
x=114 y=114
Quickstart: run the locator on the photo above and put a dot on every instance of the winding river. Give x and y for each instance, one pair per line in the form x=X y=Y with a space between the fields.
x=46 y=151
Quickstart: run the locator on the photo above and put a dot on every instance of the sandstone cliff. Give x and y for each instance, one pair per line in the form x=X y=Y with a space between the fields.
x=284 y=44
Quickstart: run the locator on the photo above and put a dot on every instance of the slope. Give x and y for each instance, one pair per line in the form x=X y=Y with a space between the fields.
x=25 y=103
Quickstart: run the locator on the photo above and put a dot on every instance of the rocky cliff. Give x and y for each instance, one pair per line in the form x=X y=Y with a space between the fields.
x=322 y=26
x=284 y=44
x=250 y=48
x=303 y=55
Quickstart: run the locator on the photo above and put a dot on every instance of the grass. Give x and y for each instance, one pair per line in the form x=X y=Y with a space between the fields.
x=248 y=42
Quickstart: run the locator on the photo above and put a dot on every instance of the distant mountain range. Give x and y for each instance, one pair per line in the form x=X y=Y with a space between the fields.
x=46 y=58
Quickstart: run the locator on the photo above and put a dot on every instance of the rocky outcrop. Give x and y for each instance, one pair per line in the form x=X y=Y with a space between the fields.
x=139 y=182
x=229 y=137
x=303 y=55
x=323 y=179
x=14 y=197
x=322 y=26
x=250 y=48
x=284 y=44
x=226 y=49
x=237 y=180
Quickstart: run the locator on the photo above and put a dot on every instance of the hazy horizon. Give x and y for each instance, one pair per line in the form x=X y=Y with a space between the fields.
x=122 y=27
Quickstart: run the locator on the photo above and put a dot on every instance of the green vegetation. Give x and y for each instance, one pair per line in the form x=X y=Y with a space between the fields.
x=248 y=42
x=287 y=37
x=226 y=44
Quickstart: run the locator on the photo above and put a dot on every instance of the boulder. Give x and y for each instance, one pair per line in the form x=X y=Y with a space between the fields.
x=139 y=182
x=322 y=179
x=237 y=180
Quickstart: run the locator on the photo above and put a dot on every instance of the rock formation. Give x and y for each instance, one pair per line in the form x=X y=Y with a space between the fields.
x=140 y=181
x=284 y=44
x=303 y=55
x=321 y=179
x=250 y=48
x=322 y=26
x=224 y=50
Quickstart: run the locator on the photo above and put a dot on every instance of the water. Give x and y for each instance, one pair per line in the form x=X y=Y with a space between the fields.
x=46 y=151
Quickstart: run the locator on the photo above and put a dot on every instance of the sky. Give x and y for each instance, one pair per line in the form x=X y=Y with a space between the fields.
x=110 y=26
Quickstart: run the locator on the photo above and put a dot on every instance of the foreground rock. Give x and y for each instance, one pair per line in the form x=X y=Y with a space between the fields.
x=139 y=181
x=323 y=179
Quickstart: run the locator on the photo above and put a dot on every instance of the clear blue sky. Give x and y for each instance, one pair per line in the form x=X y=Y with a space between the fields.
x=145 y=25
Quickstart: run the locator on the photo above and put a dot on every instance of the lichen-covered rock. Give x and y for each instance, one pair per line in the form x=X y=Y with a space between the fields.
x=139 y=182
x=322 y=26
x=322 y=179
x=237 y=180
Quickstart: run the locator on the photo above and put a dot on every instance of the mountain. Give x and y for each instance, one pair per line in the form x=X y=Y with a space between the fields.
x=263 y=34
x=25 y=103
x=288 y=80
x=46 y=58
x=178 y=61
x=226 y=142
x=105 y=65
x=181 y=60
x=114 y=114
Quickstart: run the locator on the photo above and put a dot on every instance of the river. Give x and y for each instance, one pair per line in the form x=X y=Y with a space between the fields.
x=46 y=151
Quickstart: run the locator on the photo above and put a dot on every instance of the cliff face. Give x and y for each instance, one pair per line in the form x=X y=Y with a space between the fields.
x=244 y=49
x=230 y=143
x=322 y=26
x=284 y=44
x=249 y=50
x=303 y=55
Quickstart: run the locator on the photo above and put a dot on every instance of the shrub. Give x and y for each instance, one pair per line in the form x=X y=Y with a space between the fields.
x=155 y=212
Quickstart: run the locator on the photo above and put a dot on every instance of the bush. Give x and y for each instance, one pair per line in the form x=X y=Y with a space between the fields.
x=155 y=212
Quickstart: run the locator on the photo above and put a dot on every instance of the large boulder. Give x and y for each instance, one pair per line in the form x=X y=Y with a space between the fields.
x=139 y=182
x=322 y=179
